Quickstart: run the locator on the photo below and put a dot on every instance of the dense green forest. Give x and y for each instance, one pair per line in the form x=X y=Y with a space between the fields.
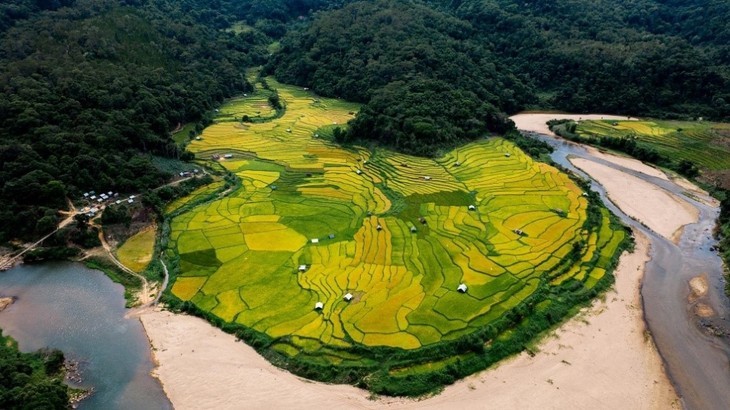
x=425 y=78
x=91 y=89
x=31 y=380
x=430 y=73
x=90 y=93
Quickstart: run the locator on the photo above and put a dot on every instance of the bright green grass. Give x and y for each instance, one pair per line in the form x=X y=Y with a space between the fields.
x=703 y=143
x=239 y=255
x=182 y=136
x=136 y=252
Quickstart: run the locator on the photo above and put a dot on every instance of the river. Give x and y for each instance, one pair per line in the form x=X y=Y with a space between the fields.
x=81 y=312
x=698 y=363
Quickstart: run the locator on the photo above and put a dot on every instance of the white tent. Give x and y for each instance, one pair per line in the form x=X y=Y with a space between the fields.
x=318 y=306
x=462 y=288
x=348 y=297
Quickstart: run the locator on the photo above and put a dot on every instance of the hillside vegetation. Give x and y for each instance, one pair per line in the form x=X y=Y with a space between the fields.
x=89 y=93
x=419 y=67
x=90 y=90
x=426 y=79
x=31 y=380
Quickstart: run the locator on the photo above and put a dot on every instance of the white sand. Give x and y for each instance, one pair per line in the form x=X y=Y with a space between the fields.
x=537 y=123
x=603 y=359
x=663 y=212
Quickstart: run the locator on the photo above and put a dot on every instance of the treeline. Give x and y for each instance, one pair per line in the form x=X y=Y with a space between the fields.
x=31 y=380
x=89 y=93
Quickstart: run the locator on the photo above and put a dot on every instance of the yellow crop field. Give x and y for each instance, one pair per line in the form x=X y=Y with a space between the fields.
x=331 y=250
x=136 y=252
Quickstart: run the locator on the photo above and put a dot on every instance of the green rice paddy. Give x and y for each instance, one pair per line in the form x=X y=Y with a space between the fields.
x=399 y=234
x=703 y=143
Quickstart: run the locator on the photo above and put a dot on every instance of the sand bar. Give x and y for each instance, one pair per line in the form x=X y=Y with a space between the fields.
x=537 y=123
x=584 y=365
x=663 y=212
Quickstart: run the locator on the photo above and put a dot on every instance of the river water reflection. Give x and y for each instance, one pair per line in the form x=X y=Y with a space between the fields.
x=81 y=312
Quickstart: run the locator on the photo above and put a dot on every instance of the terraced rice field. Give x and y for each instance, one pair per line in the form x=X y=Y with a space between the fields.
x=397 y=233
x=199 y=193
x=136 y=252
x=704 y=143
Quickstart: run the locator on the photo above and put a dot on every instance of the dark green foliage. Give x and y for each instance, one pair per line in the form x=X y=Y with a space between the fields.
x=537 y=149
x=31 y=380
x=85 y=90
x=409 y=61
x=117 y=214
x=723 y=233
x=426 y=82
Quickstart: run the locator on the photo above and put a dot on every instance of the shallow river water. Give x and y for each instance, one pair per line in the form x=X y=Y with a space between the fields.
x=697 y=361
x=81 y=312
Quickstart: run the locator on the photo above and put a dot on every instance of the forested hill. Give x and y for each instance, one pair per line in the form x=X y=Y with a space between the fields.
x=90 y=89
x=636 y=58
x=426 y=79
x=91 y=92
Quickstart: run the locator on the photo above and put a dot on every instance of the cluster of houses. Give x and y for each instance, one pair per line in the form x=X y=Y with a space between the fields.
x=185 y=174
x=101 y=199
x=104 y=196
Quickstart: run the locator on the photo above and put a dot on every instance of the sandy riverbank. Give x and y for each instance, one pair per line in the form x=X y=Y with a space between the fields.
x=663 y=212
x=537 y=123
x=602 y=359
x=585 y=364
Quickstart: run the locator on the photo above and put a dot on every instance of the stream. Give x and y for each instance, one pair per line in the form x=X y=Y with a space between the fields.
x=696 y=359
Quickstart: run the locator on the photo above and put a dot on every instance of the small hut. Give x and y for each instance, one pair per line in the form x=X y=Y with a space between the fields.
x=506 y=154
x=379 y=227
x=358 y=172
x=413 y=229
x=472 y=208
x=288 y=130
x=457 y=164
x=519 y=232
x=331 y=236
x=427 y=178
x=348 y=297
x=422 y=220
x=302 y=268
x=462 y=288
x=315 y=240
x=318 y=306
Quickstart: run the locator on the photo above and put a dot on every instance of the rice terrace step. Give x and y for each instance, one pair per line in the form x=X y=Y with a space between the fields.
x=386 y=241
